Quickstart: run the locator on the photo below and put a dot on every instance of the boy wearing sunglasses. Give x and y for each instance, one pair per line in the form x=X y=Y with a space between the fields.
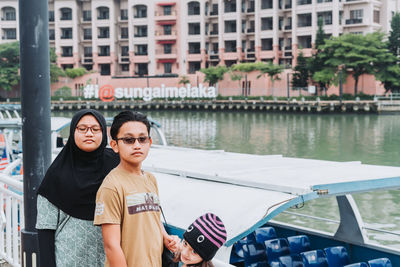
x=127 y=202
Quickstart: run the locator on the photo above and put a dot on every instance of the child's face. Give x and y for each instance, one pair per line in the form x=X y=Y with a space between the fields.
x=188 y=255
x=88 y=135
x=132 y=151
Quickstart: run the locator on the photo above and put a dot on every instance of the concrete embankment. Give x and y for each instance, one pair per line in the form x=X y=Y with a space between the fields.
x=237 y=105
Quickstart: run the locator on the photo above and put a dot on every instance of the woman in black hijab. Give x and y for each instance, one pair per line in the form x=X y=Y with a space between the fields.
x=66 y=196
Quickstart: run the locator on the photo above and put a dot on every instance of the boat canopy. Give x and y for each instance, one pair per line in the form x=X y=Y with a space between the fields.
x=247 y=191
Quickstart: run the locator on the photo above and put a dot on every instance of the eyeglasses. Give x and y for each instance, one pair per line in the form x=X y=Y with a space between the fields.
x=84 y=129
x=131 y=140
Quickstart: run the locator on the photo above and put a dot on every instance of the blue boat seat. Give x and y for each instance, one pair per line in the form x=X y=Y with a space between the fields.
x=238 y=248
x=264 y=233
x=381 y=262
x=258 y=264
x=337 y=256
x=254 y=253
x=298 y=244
x=276 y=248
x=314 y=258
x=294 y=260
x=358 y=264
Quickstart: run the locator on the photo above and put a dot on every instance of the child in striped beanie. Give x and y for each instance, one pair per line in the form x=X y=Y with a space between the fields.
x=201 y=241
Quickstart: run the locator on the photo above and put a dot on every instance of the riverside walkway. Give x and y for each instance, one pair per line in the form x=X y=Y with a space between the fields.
x=369 y=106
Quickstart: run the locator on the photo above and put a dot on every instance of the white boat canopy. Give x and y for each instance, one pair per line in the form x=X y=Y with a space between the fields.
x=247 y=191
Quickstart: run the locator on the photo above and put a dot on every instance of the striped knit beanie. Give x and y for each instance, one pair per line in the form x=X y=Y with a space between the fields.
x=206 y=235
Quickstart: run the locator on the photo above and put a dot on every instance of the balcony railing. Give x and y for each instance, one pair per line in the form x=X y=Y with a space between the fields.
x=354 y=21
x=288 y=27
x=141 y=53
x=166 y=52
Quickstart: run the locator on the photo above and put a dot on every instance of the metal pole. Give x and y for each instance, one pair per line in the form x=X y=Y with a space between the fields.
x=288 y=85
x=341 y=85
x=35 y=107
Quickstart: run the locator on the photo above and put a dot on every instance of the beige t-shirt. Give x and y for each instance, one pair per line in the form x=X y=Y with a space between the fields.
x=132 y=201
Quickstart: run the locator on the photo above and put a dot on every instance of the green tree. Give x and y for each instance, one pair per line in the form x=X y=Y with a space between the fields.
x=240 y=71
x=271 y=70
x=394 y=36
x=9 y=65
x=184 y=80
x=76 y=72
x=301 y=72
x=360 y=54
x=214 y=74
x=316 y=61
x=55 y=71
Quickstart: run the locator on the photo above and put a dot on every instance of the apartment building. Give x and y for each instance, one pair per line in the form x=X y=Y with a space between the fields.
x=132 y=37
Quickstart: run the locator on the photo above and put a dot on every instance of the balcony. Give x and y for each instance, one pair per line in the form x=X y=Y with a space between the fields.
x=162 y=54
x=213 y=55
x=288 y=6
x=160 y=36
x=141 y=53
x=251 y=30
x=123 y=59
x=214 y=13
x=354 y=21
x=160 y=16
x=288 y=48
x=213 y=33
x=87 y=59
x=354 y=2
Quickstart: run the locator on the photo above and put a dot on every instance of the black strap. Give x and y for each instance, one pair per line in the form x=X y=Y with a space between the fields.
x=163 y=216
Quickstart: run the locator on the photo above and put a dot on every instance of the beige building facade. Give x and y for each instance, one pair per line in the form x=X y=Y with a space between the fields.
x=125 y=38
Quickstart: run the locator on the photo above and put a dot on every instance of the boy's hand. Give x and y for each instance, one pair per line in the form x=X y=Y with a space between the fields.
x=172 y=242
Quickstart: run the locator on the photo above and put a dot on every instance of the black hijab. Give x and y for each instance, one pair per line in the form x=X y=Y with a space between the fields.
x=72 y=180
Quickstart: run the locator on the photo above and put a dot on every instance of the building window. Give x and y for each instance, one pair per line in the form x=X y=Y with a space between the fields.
x=141 y=69
x=141 y=50
x=167 y=10
x=167 y=29
x=266 y=44
x=124 y=67
x=87 y=34
x=124 y=51
x=124 y=14
x=105 y=69
x=194 y=28
x=356 y=14
x=66 y=13
x=230 y=26
x=193 y=8
x=52 y=35
x=230 y=46
x=214 y=10
x=266 y=24
x=51 y=15
x=376 y=16
x=194 y=48
x=87 y=15
x=167 y=67
x=66 y=33
x=141 y=31
x=104 y=51
x=229 y=6
x=304 y=20
x=103 y=12
x=167 y=48
x=124 y=33
x=266 y=4
x=193 y=67
x=87 y=51
x=10 y=34
x=104 y=32
x=9 y=14
x=66 y=51
x=304 y=41
x=323 y=1
x=326 y=17
x=140 y=11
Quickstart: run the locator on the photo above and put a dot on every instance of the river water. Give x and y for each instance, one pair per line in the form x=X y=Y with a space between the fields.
x=371 y=139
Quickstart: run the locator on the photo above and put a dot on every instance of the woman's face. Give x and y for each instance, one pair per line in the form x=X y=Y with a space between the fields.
x=88 y=134
x=188 y=255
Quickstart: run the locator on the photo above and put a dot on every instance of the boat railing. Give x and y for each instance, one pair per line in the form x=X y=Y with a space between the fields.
x=338 y=222
x=11 y=214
